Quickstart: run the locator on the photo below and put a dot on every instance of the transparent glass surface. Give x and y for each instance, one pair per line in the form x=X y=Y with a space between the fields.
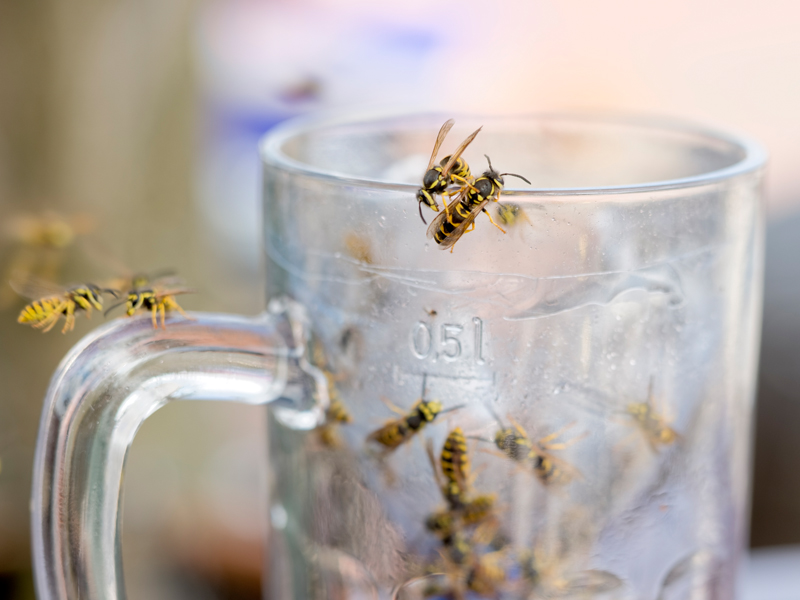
x=562 y=410
x=613 y=330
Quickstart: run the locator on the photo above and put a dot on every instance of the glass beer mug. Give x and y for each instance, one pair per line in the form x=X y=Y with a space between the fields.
x=560 y=410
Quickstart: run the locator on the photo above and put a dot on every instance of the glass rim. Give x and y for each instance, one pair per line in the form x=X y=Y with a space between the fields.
x=754 y=154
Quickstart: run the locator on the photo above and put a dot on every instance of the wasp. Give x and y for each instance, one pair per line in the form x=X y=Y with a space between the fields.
x=487 y=574
x=50 y=302
x=454 y=458
x=454 y=482
x=459 y=217
x=550 y=578
x=468 y=569
x=451 y=170
x=461 y=573
x=40 y=245
x=335 y=414
x=654 y=425
x=157 y=297
x=536 y=455
x=398 y=431
x=511 y=214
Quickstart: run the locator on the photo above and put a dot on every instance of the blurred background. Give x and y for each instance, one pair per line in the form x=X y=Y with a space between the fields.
x=128 y=135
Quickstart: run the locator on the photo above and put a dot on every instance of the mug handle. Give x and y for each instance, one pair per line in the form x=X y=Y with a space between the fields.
x=100 y=395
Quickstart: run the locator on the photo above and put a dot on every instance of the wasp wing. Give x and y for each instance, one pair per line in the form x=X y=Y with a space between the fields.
x=162 y=292
x=34 y=288
x=459 y=151
x=592 y=582
x=448 y=125
x=440 y=217
x=462 y=227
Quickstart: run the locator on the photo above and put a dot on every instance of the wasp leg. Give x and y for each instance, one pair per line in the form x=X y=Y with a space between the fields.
x=555 y=434
x=492 y=220
x=177 y=307
x=392 y=406
x=70 y=318
x=154 y=316
x=562 y=445
x=163 y=310
x=464 y=182
x=51 y=321
x=519 y=428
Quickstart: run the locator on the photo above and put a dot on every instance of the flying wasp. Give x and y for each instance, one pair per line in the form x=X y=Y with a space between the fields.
x=40 y=243
x=459 y=216
x=452 y=170
x=50 y=302
x=157 y=297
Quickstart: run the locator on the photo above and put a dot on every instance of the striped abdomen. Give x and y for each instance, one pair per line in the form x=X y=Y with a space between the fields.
x=459 y=169
x=454 y=459
x=483 y=188
x=455 y=217
x=39 y=310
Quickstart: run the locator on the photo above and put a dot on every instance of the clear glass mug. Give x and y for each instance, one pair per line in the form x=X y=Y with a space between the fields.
x=611 y=334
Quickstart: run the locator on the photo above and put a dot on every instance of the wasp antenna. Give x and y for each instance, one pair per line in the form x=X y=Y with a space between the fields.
x=452 y=408
x=489 y=160
x=424 y=384
x=110 y=308
x=114 y=293
x=494 y=414
x=420 y=213
x=517 y=176
x=480 y=439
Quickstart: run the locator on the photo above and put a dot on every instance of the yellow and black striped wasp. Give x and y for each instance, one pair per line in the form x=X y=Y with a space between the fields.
x=536 y=455
x=51 y=302
x=157 y=296
x=511 y=214
x=459 y=217
x=398 y=431
x=653 y=424
x=452 y=170
x=546 y=576
x=336 y=413
x=454 y=481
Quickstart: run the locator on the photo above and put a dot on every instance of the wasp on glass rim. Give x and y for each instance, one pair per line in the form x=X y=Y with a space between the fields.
x=459 y=217
x=452 y=170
